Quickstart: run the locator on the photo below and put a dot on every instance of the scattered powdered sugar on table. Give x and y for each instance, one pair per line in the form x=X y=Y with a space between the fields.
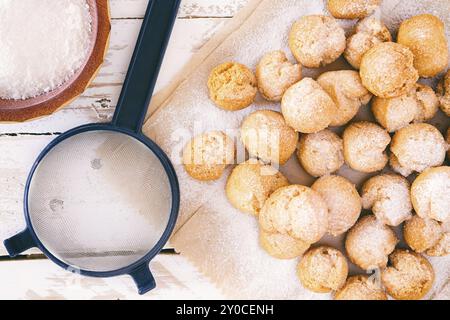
x=42 y=44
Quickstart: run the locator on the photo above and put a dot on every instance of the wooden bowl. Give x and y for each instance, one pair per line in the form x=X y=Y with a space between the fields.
x=46 y=104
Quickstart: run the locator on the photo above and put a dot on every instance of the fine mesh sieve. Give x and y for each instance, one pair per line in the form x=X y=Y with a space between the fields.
x=102 y=199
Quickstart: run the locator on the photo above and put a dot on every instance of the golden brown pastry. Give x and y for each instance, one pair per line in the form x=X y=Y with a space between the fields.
x=206 y=156
x=316 y=40
x=352 y=9
x=251 y=183
x=266 y=135
x=365 y=146
x=322 y=269
x=321 y=153
x=422 y=234
x=443 y=91
x=232 y=86
x=297 y=211
x=361 y=287
x=425 y=36
x=343 y=200
x=409 y=277
x=369 y=243
x=387 y=70
x=307 y=107
x=368 y=33
x=347 y=92
x=442 y=247
x=282 y=246
x=275 y=74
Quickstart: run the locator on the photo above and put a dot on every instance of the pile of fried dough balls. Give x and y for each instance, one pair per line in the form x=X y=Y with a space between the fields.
x=292 y=218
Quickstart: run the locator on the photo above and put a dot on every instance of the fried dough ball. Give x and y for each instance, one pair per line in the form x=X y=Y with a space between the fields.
x=282 y=246
x=365 y=146
x=250 y=185
x=425 y=36
x=369 y=243
x=297 y=211
x=387 y=70
x=368 y=33
x=388 y=197
x=232 y=86
x=418 y=146
x=266 y=135
x=347 y=92
x=360 y=287
x=307 y=107
x=352 y=9
x=206 y=156
x=430 y=194
x=321 y=153
x=395 y=165
x=343 y=200
x=442 y=247
x=322 y=269
x=422 y=234
x=275 y=74
x=409 y=277
x=443 y=91
x=316 y=40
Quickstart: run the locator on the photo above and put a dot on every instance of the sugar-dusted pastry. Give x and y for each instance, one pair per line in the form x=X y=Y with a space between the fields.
x=430 y=194
x=251 y=183
x=282 y=246
x=368 y=33
x=232 y=86
x=297 y=211
x=347 y=92
x=418 y=146
x=361 y=287
x=275 y=74
x=266 y=135
x=409 y=277
x=352 y=9
x=321 y=153
x=425 y=36
x=387 y=70
x=422 y=234
x=418 y=105
x=343 y=200
x=442 y=247
x=443 y=91
x=322 y=269
x=370 y=242
x=206 y=156
x=365 y=146
x=387 y=195
x=395 y=166
x=316 y=40
x=307 y=107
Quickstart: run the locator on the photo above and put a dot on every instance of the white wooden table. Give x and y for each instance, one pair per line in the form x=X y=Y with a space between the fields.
x=34 y=277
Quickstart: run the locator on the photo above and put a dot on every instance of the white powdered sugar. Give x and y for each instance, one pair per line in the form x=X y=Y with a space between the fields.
x=42 y=44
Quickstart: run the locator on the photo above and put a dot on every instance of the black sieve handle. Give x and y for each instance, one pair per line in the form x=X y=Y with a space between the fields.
x=143 y=278
x=19 y=243
x=145 y=64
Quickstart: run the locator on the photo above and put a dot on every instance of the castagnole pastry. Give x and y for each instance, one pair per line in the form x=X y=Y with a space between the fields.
x=307 y=107
x=275 y=74
x=418 y=146
x=425 y=36
x=430 y=194
x=347 y=92
x=251 y=183
x=442 y=247
x=206 y=156
x=316 y=40
x=343 y=200
x=409 y=277
x=266 y=135
x=321 y=153
x=368 y=33
x=282 y=246
x=387 y=195
x=232 y=86
x=361 y=287
x=369 y=243
x=352 y=9
x=365 y=146
x=387 y=70
x=422 y=234
x=443 y=91
x=322 y=269
x=297 y=211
